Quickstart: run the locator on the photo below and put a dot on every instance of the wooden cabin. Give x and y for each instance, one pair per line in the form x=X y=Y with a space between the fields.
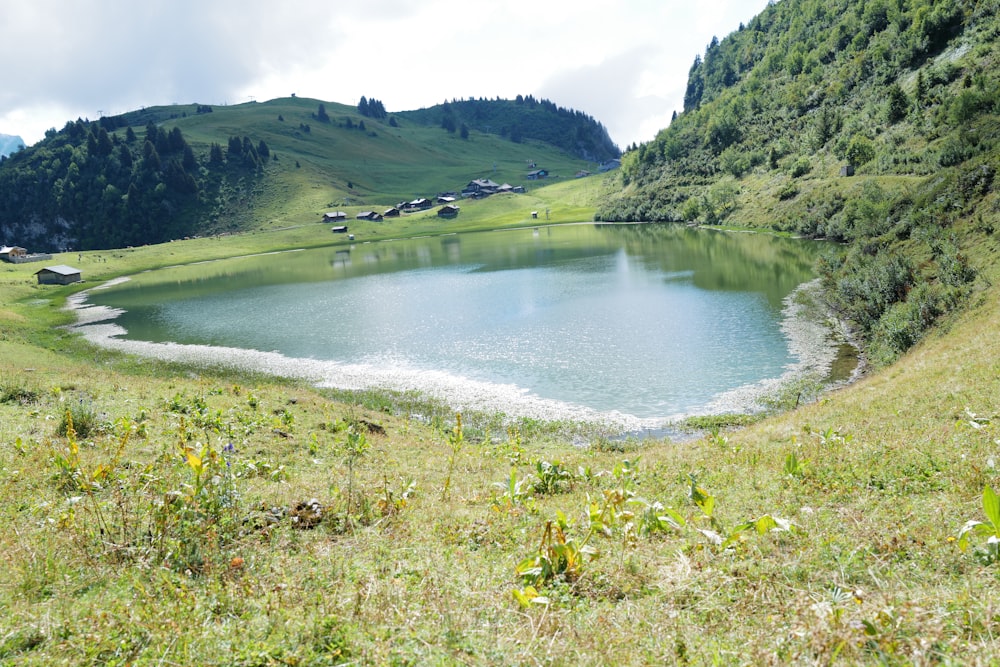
x=58 y=275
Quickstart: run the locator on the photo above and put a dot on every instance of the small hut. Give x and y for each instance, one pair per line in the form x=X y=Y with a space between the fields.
x=12 y=253
x=448 y=211
x=58 y=275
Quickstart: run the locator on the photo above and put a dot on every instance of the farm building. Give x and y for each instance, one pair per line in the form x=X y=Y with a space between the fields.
x=392 y=212
x=334 y=216
x=18 y=255
x=448 y=211
x=419 y=204
x=12 y=253
x=58 y=275
x=370 y=215
x=481 y=187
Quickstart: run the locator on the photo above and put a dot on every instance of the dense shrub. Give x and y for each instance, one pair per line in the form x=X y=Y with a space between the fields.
x=905 y=322
x=83 y=418
x=801 y=167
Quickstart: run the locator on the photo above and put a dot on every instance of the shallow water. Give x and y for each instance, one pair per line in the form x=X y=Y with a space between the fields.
x=646 y=322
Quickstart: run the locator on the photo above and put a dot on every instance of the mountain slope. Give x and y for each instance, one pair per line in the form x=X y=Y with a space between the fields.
x=902 y=96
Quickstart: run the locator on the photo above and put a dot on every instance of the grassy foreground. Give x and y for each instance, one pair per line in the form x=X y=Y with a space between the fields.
x=186 y=516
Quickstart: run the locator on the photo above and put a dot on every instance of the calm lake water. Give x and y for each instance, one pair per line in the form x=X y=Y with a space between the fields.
x=645 y=320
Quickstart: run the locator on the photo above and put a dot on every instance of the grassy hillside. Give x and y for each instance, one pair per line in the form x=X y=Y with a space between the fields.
x=383 y=164
x=903 y=95
x=169 y=172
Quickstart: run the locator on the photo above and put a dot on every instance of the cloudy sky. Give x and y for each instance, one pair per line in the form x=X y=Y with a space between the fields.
x=624 y=63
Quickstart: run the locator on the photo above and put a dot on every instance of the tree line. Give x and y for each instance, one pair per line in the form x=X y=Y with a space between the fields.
x=521 y=119
x=89 y=186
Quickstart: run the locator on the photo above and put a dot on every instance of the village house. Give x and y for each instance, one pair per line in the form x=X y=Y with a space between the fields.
x=371 y=216
x=536 y=174
x=480 y=187
x=58 y=275
x=448 y=211
x=334 y=216
x=391 y=212
x=12 y=253
x=419 y=204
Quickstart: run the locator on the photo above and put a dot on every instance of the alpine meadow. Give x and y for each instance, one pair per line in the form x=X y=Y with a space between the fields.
x=166 y=513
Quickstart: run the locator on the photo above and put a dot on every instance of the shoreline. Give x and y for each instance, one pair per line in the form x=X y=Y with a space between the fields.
x=810 y=341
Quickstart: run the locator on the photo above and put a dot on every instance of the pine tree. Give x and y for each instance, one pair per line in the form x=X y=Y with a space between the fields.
x=898 y=104
x=215 y=155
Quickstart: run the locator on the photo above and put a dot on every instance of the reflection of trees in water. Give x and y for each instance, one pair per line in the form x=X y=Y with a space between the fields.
x=720 y=260
x=716 y=260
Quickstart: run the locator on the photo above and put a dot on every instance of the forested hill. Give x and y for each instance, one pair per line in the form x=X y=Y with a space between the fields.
x=163 y=173
x=521 y=119
x=779 y=115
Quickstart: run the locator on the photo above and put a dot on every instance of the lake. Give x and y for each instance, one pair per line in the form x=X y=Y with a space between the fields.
x=642 y=322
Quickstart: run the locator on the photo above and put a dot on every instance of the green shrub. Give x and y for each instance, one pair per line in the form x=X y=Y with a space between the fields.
x=801 y=167
x=12 y=392
x=863 y=287
x=860 y=150
x=691 y=210
x=83 y=418
x=788 y=191
x=953 y=151
x=904 y=323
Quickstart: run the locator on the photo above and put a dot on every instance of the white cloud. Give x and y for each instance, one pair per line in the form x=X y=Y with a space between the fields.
x=625 y=64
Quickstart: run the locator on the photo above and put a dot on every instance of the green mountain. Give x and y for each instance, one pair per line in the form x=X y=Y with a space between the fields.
x=168 y=172
x=871 y=123
x=522 y=119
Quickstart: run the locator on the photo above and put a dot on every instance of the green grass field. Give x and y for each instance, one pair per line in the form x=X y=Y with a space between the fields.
x=198 y=516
